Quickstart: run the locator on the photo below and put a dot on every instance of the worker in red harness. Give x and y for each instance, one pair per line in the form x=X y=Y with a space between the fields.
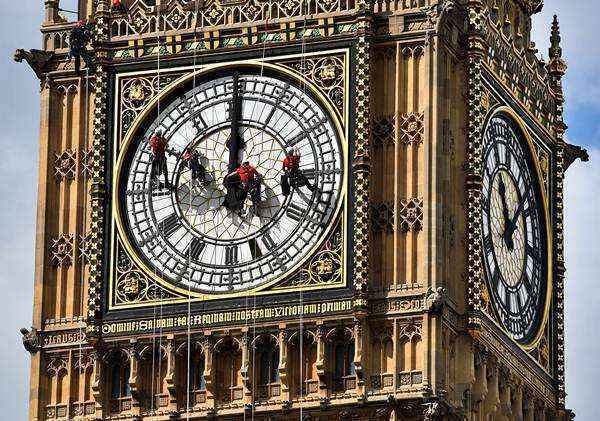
x=158 y=144
x=79 y=39
x=191 y=159
x=293 y=177
x=243 y=181
x=120 y=6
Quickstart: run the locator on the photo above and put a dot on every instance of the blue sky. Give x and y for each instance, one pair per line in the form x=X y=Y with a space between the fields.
x=19 y=119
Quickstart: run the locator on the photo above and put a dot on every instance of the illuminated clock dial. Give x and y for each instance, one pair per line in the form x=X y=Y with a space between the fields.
x=514 y=233
x=186 y=230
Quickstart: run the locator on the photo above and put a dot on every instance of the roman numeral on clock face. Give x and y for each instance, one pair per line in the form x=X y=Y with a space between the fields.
x=294 y=212
x=255 y=250
x=195 y=248
x=169 y=225
x=231 y=255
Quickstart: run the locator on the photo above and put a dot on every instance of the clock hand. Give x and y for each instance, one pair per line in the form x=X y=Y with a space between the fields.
x=502 y=190
x=512 y=224
x=235 y=142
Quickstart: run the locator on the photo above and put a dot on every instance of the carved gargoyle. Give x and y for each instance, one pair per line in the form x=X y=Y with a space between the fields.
x=31 y=340
x=573 y=153
x=37 y=59
x=435 y=300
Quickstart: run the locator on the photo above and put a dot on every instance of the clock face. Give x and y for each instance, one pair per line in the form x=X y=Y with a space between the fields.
x=514 y=232
x=227 y=217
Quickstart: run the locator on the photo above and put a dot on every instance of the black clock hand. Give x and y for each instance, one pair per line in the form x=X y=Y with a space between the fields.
x=512 y=224
x=502 y=190
x=235 y=142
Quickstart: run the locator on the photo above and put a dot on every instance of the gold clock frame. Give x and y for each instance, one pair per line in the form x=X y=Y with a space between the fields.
x=547 y=221
x=117 y=231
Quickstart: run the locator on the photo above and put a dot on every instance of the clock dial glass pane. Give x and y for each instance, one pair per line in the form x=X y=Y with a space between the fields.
x=185 y=228
x=514 y=245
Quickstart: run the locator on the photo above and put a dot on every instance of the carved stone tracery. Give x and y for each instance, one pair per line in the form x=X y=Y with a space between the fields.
x=411 y=128
x=65 y=165
x=62 y=250
x=411 y=214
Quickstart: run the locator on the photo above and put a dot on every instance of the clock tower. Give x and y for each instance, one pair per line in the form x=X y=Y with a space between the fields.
x=314 y=210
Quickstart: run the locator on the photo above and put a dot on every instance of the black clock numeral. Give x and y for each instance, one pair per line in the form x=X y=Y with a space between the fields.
x=294 y=212
x=268 y=241
x=508 y=157
x=169 y=225
x=310 y=173
x=531 y=252
x=496 y=153
x=296 y=139
x=255 y=250
x=231 y=255
x=195 y=248
x=488 y=245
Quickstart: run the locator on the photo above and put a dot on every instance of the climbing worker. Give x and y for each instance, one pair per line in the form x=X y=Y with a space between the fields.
x=243 y=181
x=79 y=38
x=293 y=177
x=191 y=159
x=158 y=144
x=120 y=6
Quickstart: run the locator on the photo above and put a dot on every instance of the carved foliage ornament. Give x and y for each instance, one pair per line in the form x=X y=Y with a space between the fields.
x=139 y=91
x=65 y=165
x=411 y=214
x=327 y=73
x=132 y=285
x=382 y=215
x=61 y=250
x=411 y=128
x=325 y=268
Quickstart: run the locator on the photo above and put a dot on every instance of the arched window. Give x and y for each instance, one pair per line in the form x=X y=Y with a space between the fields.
x=118 y=386
x=302 y=364
x=199 y=380
x=269 y=364
x=266 y=366
x=341 y=360
x=120 y=374
x=228 y=363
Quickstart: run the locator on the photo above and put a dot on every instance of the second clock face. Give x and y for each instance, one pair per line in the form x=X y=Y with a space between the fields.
x=514 y=233
x=206 y=226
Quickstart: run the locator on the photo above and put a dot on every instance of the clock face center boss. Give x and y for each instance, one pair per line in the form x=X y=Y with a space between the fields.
x=234 y=184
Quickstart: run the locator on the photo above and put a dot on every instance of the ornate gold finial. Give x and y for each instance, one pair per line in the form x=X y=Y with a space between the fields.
x=555 y=48
x=557 y=67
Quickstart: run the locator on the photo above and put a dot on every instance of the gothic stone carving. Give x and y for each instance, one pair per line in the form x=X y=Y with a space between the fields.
x=327 y=73
x=411 y=214
x=65 y=165
x=31 y=340
x=57 y=365
x=411 y=128
x=37 y=60
x=382 y=216
x=61 y=250
x=362 y=161
x=84 y=247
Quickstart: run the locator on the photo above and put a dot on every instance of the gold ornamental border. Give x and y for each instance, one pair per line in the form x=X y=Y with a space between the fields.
x=261 y=289
x=509 y=112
